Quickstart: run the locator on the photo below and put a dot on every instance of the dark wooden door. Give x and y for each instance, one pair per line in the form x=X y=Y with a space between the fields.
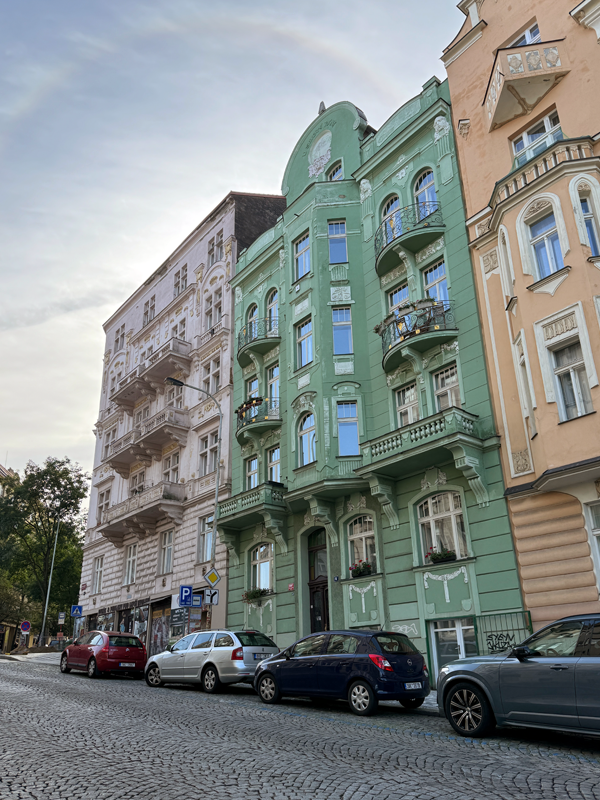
x=318 y=584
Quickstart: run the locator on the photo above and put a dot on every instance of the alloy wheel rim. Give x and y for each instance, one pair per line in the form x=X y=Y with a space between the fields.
x=466 y=710
x=209 y=679
x=63 y=663
x=360 y=698
x=153 y=676
x=91 y=668
x=267 y=689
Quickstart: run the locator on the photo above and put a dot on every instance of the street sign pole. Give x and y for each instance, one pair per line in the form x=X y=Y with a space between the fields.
x=42 y=637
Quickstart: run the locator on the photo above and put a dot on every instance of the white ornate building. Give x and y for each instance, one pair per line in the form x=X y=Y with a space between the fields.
x=152 y=499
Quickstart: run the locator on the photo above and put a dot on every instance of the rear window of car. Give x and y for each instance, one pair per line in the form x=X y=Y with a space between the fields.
x=124 y=641
x=395 y=643
x=254 y=639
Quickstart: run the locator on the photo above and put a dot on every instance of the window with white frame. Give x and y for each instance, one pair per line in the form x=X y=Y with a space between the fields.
x=219 y=251
x=425 y=194
x=407 y=405
x=109 y=438
x=342 y=331
x=211 y=252
x=391 y=204
x=175 y=396
x=361 y=538
x=252 y=387
x=103 y=504
x=273 y=312
x=120 y=338
x=338 y=247
x=273 y=383
x=307 y=440
x=261 y=564
x=98 y=570
x=178 y=330
x=137 y=482
x=574 y=395
x=302 y=256
x=205 y=531
x=252 y=322
x=149 y=310
x=211 y=375
x=589 y=221
x=141 y=415
x=213 y=307
x=166 y=552
x=547 y=253
x=446 y=388
x=130 y=565
x=530 y=36
x=208 y=452
x=537 y=138
x=336 y=173
x=398 y=297
x=441 y=524
x=274 y=464
x=304 y=343
x=347 y=416
x=526 y=387
x=180 y=281
x=146 y=353
x=435 y=283
x=252 y=472
x=171 y=467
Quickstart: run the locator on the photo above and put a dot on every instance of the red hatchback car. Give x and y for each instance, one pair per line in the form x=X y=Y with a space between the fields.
x=99 y=652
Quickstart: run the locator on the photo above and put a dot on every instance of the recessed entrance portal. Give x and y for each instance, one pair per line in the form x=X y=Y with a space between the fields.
x=318 y=589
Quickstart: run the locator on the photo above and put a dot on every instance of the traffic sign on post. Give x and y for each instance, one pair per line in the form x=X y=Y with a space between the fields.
x=186 y=593
x=212 y=577
x=61 y=617
x=197 y=601
x=211 y=597
x=77 y=611
x=25 y=626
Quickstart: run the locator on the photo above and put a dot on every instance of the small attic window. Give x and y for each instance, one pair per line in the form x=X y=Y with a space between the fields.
x=336 y=173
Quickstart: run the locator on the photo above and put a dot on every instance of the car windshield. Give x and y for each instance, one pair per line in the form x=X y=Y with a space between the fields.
x=124 y=641
x=395 y=643
x=252 y=639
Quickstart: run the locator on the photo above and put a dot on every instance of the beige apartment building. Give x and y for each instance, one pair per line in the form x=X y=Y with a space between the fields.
x=524 y=83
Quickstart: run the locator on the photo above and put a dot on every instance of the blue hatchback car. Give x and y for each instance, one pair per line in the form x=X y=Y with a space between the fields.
x=362 y=667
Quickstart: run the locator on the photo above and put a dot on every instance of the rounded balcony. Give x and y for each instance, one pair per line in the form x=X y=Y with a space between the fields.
x=412 y=227
x=258 y=336
x=420 y=327
x=256 y=416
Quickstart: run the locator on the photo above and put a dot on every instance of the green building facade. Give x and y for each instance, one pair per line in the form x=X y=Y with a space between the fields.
x=364 y=424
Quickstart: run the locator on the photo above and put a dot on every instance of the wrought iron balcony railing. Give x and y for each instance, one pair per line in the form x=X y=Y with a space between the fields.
x=267 y=411
x=438 y=317
x=267 y=328
x=412 y=217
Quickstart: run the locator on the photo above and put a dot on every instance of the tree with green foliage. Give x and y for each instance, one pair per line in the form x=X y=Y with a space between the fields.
x=31 y=507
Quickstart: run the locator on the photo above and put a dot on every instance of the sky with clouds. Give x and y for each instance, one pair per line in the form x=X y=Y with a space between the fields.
x=122 y=124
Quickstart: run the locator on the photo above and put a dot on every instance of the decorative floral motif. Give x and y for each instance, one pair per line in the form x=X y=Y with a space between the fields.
x=445 y=578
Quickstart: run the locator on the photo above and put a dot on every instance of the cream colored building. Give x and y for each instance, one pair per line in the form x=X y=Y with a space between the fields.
x=155 y=464
x=524 y=87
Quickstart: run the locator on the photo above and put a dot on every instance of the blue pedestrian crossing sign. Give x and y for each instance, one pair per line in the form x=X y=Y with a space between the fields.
x=186 y=594
x=77 y=611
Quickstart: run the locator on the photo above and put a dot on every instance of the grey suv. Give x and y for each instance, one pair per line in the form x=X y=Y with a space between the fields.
x=549 y=681
x=210 y=658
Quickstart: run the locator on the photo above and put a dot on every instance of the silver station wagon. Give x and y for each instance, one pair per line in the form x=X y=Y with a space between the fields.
x=210 y=658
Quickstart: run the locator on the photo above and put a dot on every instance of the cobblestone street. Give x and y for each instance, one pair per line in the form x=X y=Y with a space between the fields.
x=66 y=736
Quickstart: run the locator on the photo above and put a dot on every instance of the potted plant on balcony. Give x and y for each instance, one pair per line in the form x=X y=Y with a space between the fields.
x=360 y=569
x=441 y=555
x=247 y=405
x=255 y=596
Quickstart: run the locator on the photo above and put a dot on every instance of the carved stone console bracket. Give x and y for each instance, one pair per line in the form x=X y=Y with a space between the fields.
x=229 y=538
x=275 y=526
x=324 y=514
x=469 y=461
x=173 y=512
x=384 y=491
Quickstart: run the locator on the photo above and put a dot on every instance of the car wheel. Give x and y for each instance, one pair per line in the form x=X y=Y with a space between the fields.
x=362 y=699
x=152 y=677
x=411 y=703
x=210 y=680
x=468 y=711
x=92 y=669
x=63 y=664
x=268 y=691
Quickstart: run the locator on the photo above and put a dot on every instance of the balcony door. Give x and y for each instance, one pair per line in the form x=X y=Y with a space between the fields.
x=318 y=585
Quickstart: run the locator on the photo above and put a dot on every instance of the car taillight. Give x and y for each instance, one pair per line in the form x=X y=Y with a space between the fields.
x=425 y=670
x=238 y=654
x=381 y=662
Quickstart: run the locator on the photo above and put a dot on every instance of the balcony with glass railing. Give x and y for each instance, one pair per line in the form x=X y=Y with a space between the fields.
x=421 y=326
x=257 y=415
x=258 y=336
x=413 y=227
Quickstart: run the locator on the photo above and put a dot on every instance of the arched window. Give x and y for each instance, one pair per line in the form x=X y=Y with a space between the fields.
x=252 y=321
x=262 y=566
x=391 y=204
x=442 y=525
x=392 y=222
x=307 y=440
x=547 y=254
x=336 y=173
x=273 y=312
x=361 y=539
x=425 y=196
x=587 y=211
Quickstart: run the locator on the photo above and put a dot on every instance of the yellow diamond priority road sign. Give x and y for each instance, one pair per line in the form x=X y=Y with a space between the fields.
x=212 y=577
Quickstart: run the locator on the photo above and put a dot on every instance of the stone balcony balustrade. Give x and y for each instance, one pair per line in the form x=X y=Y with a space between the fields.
x=419 y=326
x=140 y=513
x=168 y=425
x=264 y=506
x=123 y=452
x=257 y=336
x=412 y=227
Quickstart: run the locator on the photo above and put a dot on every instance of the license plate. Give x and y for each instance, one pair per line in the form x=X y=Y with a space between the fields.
x=260 y=656
x=126 y=664
x=412 y=685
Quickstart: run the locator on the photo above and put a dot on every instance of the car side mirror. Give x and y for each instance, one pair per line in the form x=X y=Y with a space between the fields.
x=521 y=652
x=287 y=655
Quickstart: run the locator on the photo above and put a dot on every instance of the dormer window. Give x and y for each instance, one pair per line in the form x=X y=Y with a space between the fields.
x=530 y=36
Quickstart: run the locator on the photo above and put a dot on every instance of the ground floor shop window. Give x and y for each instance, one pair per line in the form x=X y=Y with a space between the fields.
x=159 y=633
x=452 y=639
x=135 y=621
x=105 y=622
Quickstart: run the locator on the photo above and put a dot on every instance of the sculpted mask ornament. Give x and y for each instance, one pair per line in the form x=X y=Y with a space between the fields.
x=441 y=126
x=365 y=190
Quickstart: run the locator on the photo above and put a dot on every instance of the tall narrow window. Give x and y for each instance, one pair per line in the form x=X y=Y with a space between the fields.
x=252 y=472
x=347 y=415
x=141 y=415
x=342 y=331
x=407 y=405
x=137 y=482
x=336 y=173
x=526 y=389
x=171 y=468
x=435 y=283
x=307 y=440
x=398 y=297
x=425 y=195
x=273 y=313
x=392 y=204
x=130 y=564
x=211 y=252
x=338 y=249
x=361 y=538
x=149 y=310
x=166 y=552
x=546 y=246
x=274 y=464
x=571 y=377
x=252 y=323
x=205 y=525
x=98 y=570
x=175 y=396
x=219 y=246
x=109 y=438
x=177 y=283
x=447 y=390
x=273 y=380
x=261 y=566
x=590 y=224
x=103 y=504
x=304 y=343
x=208 y=453
x=211 y=376
x=120 y=338
x=302 y=256
x=442 y=525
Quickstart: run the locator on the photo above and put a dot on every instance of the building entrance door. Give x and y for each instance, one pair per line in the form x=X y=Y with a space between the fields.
x=318 y=587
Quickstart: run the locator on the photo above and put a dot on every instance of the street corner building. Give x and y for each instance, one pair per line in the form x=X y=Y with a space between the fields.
x=367 y=489
x=153 y=487
x=524 y=88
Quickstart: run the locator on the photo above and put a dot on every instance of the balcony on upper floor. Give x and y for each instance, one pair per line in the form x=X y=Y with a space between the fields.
x=412 y=228
x=246 y=507
x=257 y=415
x=418 y=327
x=173 y=356
x=169 y=425
x=521 y=77
x=139 y=514
x=257 y=336
x=130 y=389
x=124 y=452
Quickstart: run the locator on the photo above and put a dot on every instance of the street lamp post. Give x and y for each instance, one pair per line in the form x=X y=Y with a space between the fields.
x=175 y=382
x=42 y=634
